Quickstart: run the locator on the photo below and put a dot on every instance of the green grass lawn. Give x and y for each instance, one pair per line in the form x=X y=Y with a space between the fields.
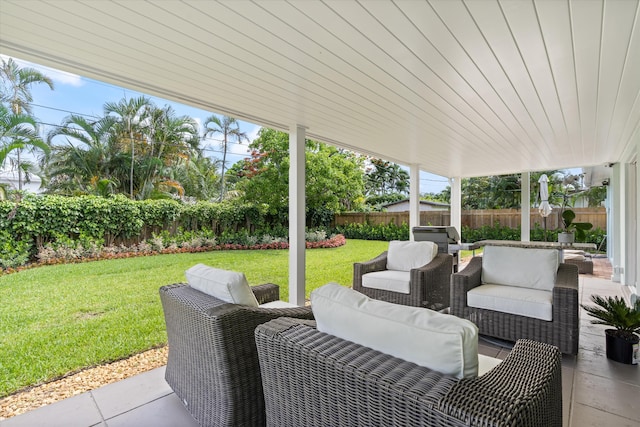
x=62 y=318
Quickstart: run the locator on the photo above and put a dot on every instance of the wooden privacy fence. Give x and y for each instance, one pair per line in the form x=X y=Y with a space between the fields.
x=477 y=218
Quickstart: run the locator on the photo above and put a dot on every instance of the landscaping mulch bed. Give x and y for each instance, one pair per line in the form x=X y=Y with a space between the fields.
x=80 y=382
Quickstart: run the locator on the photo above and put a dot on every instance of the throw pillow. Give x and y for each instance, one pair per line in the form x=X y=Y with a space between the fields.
x=229 y=286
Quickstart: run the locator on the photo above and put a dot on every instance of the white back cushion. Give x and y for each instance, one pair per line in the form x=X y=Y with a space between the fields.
x=229 y=286
x=523 y=267
x=441 y=342
x=405 y=255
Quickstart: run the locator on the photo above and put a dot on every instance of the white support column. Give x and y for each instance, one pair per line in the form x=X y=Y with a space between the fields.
x=456 y=203
x=616 y=237
x=628 y=273
x=636 y=248
x=525 y=206
x=631 y=229
x=414 y=198
x=297 y=243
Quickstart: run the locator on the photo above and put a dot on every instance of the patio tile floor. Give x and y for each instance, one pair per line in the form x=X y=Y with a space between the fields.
x=596 y=391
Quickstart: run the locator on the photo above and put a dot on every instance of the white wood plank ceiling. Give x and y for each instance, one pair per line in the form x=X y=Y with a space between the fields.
x=460 y=88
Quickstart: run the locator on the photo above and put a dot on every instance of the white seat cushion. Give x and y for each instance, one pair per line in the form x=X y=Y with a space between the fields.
x=388 y=280
x=441 y=342
x=486 y=363
x=527 y=302
x=228 y=286
x=523 y=267
x=405 y=255
x=574 y=252
x=574 y=256
x=278 y=304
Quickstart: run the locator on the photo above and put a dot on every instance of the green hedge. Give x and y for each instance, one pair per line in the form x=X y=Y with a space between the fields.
x=374 y=232
x=43 y=219
x=28 y=225
x=35 y=221
x=469 y=235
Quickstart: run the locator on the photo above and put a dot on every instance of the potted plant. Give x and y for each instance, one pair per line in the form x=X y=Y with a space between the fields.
x=572 y=229
x=622 y=342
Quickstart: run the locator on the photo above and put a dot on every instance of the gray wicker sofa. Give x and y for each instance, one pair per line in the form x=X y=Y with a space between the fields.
x=213 y=365
x=562 y=331
x=315 y=379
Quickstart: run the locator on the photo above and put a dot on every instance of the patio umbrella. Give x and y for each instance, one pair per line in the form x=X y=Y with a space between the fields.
x=544 y=208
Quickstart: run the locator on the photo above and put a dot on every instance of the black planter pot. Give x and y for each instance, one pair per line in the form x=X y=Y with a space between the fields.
x=620 y=349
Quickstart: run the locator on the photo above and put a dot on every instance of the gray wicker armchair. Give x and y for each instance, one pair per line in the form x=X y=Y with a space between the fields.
x=213 y=365
x=429 y=286
x=562 y=331
x=314 y=379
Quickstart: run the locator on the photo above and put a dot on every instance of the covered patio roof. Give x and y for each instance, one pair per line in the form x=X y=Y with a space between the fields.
x=458 y=88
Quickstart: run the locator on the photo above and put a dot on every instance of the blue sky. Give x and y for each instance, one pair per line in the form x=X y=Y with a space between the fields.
x=80 y=95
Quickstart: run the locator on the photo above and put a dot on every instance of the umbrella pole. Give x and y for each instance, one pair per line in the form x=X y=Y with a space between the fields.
x=544 y=220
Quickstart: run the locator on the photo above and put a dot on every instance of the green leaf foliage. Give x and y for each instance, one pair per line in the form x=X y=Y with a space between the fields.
x=614 y=312
x=579 y=228
x=385 y=232
x=333 y=177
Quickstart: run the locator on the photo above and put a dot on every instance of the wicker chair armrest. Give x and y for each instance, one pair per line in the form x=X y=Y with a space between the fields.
x=267 y=292
x=434 y=274
x=467 y=279
x=282 y=324
x=462 y=282
x=378 y=263
x=524 y=390
x=566 y=307
x=567 y=276
x=565 y=292
x=440 y=262
x=187 y=295
x=268 y=314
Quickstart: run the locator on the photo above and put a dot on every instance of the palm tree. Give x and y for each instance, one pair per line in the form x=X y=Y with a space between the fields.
x=171 y=139
x=132 y=149
x=198 y=175
x=17 y=131
x=17 y=84
x=89 y=161
x=230 y=130
x=131 y=119
x=16 y=91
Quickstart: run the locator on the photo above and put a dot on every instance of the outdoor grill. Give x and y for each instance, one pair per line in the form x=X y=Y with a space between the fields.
x=446 y=237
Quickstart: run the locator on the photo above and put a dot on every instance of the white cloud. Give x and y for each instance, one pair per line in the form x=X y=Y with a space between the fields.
x=253 y=133
x=58 y=77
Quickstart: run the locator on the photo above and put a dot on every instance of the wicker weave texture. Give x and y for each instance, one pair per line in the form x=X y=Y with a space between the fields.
x=429 y=285
x=212 y=364
x=317 y=380
x=562 y=331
